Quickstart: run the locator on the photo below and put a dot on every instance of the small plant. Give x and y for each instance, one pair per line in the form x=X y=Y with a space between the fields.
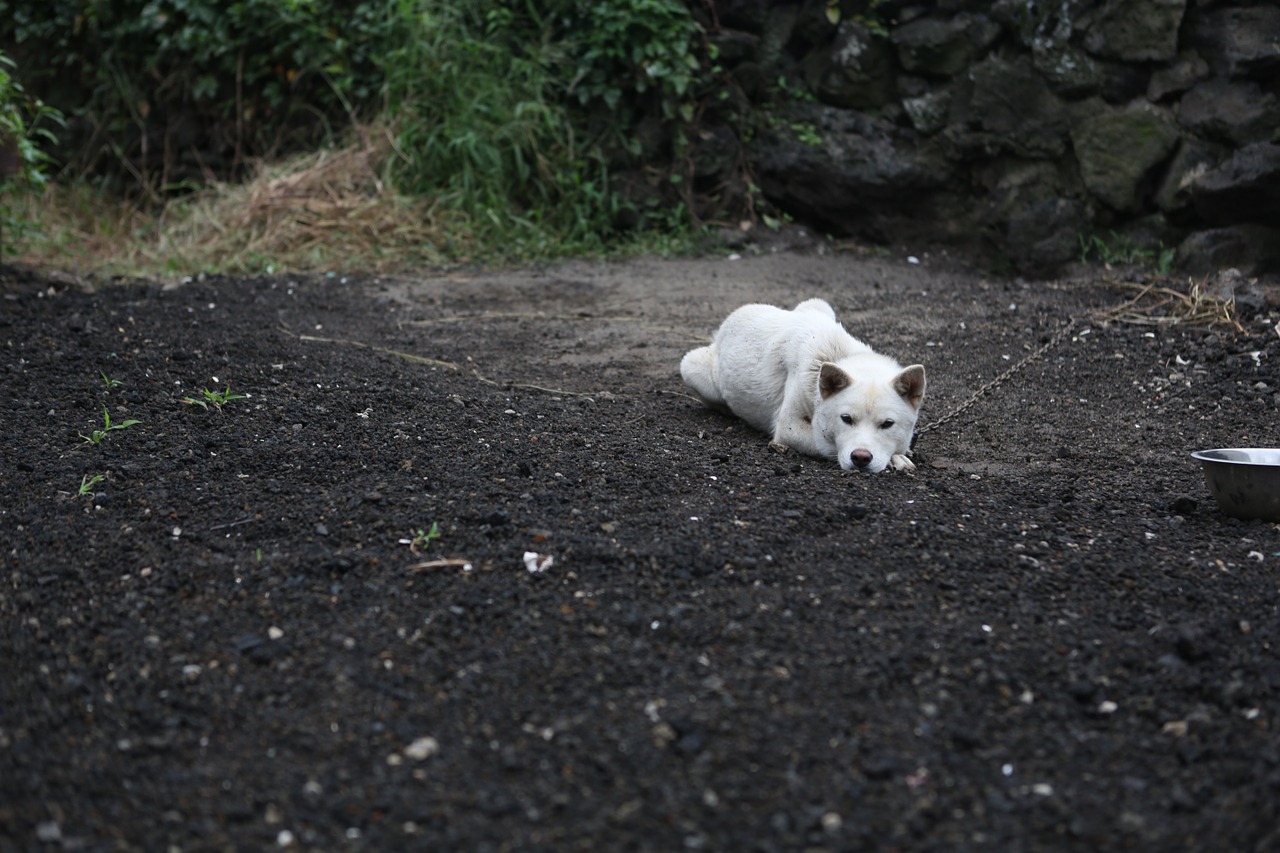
x=1125 y=251
x=873 y=21
x=108 y=381
x=806 y=132
x=97 y=435
x=795 y=92
x=87 y=483
x=214 y=398
x=421 y=539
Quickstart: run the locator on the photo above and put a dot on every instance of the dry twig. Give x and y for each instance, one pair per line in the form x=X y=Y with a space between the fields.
x=447 y=563
x=1158 y=305
x=447 y=365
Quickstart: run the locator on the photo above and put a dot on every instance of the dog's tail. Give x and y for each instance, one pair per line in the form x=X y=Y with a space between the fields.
x=697 y=369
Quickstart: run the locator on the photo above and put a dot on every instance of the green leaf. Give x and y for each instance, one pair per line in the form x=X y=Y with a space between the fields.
x=206 y=87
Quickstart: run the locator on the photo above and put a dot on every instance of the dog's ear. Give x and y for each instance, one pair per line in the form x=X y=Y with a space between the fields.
x=832 y=380
x=910 y=384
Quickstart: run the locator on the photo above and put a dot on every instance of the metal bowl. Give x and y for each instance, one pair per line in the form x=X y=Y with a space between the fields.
x=1244 y=480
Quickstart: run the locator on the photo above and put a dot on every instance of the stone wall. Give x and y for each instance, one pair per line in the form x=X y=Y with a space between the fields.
x=1018 y=126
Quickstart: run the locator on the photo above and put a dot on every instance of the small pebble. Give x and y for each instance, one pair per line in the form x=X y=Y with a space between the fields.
x=422 y=748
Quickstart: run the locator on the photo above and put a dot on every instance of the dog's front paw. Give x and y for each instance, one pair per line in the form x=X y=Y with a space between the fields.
x=778 y=447
x=899 y=462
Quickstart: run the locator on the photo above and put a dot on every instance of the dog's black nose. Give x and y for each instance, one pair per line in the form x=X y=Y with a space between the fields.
x=861 y=458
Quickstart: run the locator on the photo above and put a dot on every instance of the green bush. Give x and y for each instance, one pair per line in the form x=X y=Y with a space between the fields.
x=520 y=113
x=163 y=91
x=24 y=126
x=480 y=127
x=631 y=48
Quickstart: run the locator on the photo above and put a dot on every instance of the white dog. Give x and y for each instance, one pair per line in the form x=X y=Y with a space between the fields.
x=801 y=378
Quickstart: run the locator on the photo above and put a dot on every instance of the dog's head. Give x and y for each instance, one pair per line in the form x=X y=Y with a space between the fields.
x=868 y=418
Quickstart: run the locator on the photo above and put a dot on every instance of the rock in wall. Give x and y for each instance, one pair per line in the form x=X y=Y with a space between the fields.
x=1019 y=126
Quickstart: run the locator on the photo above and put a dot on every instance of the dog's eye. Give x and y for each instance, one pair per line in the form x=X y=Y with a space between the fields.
x=847 y=419
x=887 y=424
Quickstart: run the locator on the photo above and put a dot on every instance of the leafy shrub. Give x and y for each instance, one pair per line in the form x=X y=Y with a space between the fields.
x=164 y=91
x=520 y=113
x=24 y=124
x=476 y=128
x=629 y=48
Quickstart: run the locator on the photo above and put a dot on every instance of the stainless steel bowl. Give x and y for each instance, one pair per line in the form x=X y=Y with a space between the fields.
x=1245 y=481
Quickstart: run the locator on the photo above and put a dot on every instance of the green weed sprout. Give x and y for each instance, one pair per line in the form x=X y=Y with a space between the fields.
x=87 y=483
x=108 y=381
x=213 y=398
x=421 y=539
x=97 y=435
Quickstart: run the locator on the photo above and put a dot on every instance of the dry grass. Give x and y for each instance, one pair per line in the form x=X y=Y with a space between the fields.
x=1208 y=302
x=326 y=210
x=77 y=230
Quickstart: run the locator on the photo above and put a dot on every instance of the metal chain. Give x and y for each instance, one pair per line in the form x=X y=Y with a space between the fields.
x=1057 y=338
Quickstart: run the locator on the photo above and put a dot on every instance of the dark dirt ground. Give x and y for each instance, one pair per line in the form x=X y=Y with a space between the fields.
x=1047 y=637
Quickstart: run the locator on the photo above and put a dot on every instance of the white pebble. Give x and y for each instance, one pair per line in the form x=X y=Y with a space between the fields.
x=422 y=748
